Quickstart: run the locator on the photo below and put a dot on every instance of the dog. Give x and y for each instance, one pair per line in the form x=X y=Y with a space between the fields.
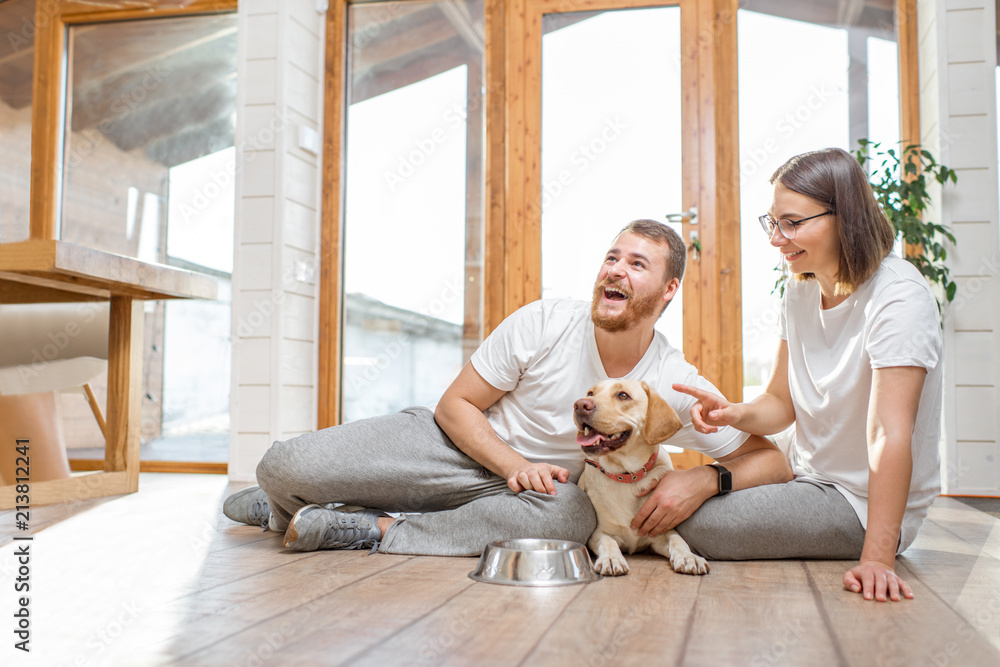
x=621 y=424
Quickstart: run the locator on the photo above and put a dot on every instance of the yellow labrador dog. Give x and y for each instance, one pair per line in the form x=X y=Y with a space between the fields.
x=621 y=424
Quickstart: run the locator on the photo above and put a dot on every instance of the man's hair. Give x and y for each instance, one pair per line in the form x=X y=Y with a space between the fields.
x=661 y=233
x=834 y=179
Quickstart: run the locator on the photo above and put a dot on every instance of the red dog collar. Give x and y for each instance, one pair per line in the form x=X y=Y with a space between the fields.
x=627 y=477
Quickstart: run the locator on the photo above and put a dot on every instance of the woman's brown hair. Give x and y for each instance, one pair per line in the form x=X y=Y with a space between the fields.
x=833 y=178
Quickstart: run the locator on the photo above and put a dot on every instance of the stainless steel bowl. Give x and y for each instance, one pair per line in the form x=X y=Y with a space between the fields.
x=529 y=562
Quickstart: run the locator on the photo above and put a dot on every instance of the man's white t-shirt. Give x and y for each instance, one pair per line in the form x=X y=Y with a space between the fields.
x=890 y=320
x=545 y=357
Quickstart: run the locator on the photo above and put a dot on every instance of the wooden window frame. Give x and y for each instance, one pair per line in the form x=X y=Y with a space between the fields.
x=712 y=288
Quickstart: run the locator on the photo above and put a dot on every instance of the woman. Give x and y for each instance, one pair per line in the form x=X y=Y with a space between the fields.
x=858 y=373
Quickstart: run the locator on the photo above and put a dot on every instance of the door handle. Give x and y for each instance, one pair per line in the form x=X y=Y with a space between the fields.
x=691 y=216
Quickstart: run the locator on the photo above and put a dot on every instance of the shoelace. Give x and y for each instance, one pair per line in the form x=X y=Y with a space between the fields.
x=349 y=525
x=260 y=512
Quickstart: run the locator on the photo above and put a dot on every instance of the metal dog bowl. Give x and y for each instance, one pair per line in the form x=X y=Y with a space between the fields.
x=535 y=563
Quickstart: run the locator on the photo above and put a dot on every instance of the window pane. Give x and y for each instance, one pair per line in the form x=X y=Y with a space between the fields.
x=17 y=52
x=146 y=99
x=414 y=202
x=149 y=173
x=839 y=82
x=611 y=140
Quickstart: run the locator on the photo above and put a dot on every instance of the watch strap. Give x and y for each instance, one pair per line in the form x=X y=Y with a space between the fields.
x=725 y=478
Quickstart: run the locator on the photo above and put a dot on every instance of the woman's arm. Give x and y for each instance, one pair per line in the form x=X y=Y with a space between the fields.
x=892 y=412
x=771 y=412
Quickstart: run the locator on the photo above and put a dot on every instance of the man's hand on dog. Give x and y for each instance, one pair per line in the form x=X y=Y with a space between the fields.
x=711 y=411
x=536 y=477
x=674 y=499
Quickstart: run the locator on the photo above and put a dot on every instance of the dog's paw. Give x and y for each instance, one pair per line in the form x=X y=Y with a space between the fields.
x=688 y=563
x=611 y=566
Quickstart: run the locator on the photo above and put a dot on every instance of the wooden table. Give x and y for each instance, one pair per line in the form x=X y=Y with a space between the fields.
x=47 y=271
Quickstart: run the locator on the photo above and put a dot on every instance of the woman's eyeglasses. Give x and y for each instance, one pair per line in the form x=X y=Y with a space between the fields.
x=785 y=226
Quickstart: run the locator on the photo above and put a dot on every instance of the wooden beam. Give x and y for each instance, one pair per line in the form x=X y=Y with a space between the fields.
x=909 y=71
x=514 y=94
x=332 y=220
x=124 y=388
x=726 y=182
x=46 y=123
x=75 y=488
x=200 y=467
x=691 y=179
x=494 y=223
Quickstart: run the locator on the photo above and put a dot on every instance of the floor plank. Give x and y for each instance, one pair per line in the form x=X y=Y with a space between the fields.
x=517 y=618
x=772 y=609
x=645 y=616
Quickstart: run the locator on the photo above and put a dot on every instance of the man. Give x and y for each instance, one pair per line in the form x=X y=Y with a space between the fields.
x=498 y=457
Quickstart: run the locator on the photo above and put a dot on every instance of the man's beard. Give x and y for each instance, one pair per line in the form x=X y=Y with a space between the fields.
x=636 y=308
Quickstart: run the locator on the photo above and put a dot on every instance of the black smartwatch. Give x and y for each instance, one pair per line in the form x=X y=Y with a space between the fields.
x=725 y=479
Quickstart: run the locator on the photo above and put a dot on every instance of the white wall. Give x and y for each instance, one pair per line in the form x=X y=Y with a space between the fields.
x=275 y=278
x=959 y=124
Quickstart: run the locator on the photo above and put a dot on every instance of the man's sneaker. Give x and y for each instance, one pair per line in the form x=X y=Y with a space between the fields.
x=249 y=505
x=317 y=527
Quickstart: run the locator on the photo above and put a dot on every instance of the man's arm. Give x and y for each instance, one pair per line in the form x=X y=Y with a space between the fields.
x=460 y=416
x=681 y=492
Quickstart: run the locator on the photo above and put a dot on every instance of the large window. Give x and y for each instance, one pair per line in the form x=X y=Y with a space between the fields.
x=811 y=75
x=413 y=246
x=17 y=51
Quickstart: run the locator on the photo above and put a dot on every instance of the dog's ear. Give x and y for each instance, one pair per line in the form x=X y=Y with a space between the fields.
x=661 y=420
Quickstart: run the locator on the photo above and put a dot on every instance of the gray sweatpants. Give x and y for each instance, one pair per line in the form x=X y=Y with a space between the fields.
x=405 y=463
x=800 y=519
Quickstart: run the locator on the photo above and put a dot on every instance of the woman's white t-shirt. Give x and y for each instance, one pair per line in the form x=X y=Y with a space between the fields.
x=890 y=320
x=545 y=357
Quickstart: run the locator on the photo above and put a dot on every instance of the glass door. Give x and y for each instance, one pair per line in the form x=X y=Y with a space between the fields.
x=605 y=118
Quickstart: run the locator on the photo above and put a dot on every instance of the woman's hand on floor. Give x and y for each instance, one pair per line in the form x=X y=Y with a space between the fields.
x=876 y=581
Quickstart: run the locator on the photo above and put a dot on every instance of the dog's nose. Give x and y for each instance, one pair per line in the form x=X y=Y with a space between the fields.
x=584 y=405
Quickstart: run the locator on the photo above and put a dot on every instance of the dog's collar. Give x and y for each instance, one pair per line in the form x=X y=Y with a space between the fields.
x=627 y=477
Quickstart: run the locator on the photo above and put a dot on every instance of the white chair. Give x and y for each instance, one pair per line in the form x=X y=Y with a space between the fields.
x=54 y=347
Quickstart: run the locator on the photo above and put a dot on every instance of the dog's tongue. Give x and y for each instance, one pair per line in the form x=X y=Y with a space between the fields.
x=587 y=441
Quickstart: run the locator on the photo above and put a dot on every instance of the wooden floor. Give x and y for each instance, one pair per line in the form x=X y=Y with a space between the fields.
x=161 y=577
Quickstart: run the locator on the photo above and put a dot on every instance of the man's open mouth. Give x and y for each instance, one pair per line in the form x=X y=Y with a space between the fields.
x=594 y=442
x=613 y=293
